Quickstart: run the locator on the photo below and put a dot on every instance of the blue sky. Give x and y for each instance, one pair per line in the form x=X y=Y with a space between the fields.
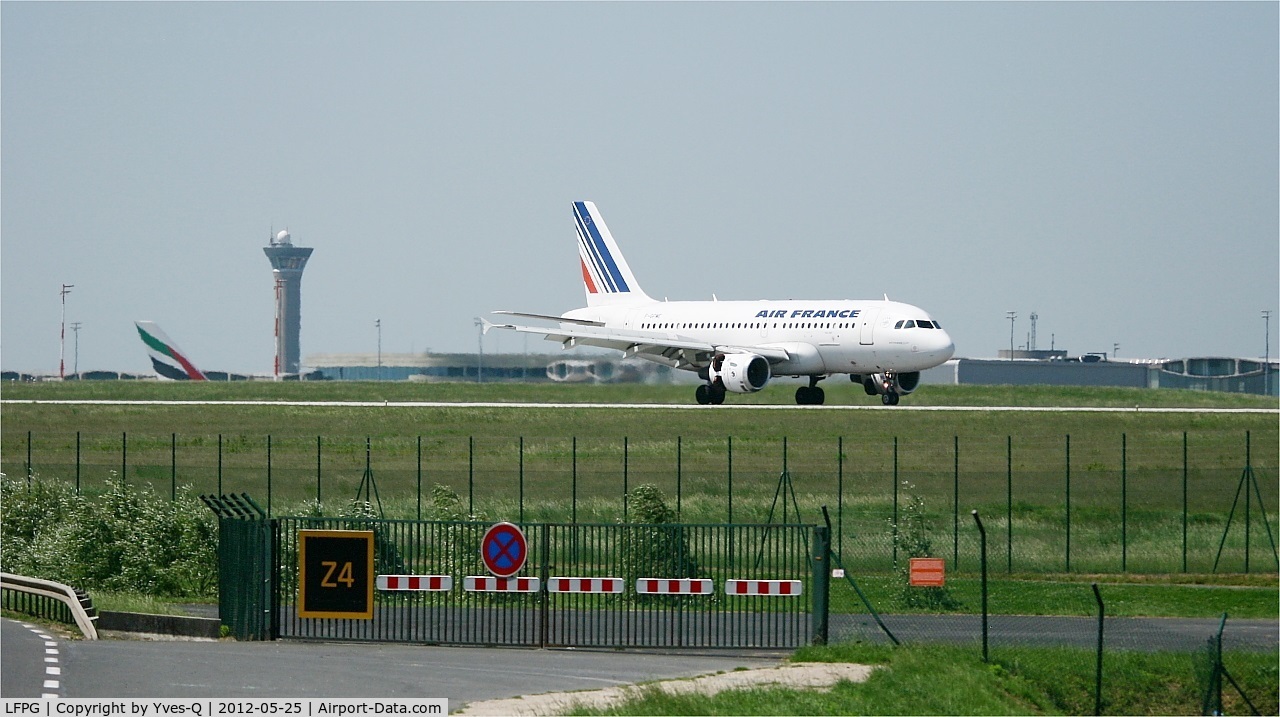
x=1112 y=167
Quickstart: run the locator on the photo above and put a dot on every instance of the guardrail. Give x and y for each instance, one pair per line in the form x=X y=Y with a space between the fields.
x=50 y=590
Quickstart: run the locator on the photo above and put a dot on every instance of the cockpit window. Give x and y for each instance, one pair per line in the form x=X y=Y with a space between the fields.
x=917 y=324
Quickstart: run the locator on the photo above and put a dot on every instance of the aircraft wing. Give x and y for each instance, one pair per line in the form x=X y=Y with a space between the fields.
x=673 y=348
x=548 y=317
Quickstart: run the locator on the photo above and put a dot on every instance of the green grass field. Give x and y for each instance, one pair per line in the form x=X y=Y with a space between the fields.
x=1125 y=470
x=839 y=393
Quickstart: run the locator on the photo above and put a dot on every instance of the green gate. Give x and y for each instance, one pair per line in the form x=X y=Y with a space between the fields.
x=582 y=585
x=245 y=565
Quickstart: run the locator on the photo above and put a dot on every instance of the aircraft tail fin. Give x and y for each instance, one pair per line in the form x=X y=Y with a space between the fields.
x=605 y=274
x=168 y=361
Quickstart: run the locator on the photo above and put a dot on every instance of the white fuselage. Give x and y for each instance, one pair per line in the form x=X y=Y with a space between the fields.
x=819 y=337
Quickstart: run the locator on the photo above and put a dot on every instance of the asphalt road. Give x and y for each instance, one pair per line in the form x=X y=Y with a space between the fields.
x=26 y=670
x=131 y=668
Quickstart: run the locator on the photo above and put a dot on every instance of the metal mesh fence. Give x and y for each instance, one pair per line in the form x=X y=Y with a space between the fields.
x=1143 y=502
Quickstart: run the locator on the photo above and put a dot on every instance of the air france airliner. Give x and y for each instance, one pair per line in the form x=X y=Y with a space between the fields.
x=738 y=346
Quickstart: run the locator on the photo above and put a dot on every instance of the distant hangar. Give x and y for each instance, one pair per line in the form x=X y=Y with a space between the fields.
x=1231 y=375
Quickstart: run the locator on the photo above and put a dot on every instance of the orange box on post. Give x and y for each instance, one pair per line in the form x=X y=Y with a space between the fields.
x=927 y=572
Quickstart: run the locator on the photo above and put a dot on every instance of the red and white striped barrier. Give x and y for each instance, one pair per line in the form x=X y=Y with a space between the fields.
x=428 y=583
x=676 y=586
x=585 y=585
x=763 y=587
x=483 y=584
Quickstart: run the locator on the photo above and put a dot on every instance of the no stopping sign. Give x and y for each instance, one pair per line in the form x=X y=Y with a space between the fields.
x=504 y=550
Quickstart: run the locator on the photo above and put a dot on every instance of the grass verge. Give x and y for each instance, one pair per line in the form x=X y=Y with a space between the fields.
x=945 y=680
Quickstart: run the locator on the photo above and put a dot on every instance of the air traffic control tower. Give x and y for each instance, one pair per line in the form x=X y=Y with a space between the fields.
x=287 y=263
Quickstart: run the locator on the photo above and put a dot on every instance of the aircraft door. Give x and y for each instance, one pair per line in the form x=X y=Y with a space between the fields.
x=868 y=335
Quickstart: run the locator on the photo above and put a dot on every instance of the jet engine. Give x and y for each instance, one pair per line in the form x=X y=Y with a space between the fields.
x=740 y=373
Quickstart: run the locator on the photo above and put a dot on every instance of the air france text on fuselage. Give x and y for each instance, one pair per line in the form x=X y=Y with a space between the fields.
x=808 y=314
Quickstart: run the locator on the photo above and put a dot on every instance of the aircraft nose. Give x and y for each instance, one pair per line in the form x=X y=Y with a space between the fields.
x=946 y=347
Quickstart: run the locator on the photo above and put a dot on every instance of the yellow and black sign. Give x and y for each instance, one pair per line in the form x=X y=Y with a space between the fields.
x=335 y=573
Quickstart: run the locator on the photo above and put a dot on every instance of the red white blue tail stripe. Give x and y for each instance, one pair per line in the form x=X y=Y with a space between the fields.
x=605 y=273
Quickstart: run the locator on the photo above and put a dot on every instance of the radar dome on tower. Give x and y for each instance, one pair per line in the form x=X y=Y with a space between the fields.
x=283 y=237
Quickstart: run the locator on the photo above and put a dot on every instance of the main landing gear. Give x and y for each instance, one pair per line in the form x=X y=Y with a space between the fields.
x=811 y=395
x=710 y=393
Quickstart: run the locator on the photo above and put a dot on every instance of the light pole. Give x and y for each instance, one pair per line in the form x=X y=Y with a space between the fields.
x=480 y=355
x=75 y=326
x=1266 y=355
x=377 y=323
x=1011 y=315
x=62 y=347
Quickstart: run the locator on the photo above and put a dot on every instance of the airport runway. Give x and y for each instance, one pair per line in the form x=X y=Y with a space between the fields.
x=647 y=406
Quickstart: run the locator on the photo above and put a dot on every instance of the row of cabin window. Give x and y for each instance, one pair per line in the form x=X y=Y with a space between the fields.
x=749 y=326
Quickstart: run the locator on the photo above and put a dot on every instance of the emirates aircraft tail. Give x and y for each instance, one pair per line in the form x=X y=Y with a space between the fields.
x=168 y=361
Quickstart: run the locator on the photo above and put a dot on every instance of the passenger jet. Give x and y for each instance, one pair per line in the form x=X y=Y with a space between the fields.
x=738 y=346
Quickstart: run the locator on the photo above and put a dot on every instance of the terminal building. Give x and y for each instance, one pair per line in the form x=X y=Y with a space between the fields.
x=1231 y=375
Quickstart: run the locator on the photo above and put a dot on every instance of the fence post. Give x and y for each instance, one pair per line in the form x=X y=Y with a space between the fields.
x=521 y=480
x=77 y=462
x=1008 y=505
x=955 y=505
x=1097 y=685
x=1248 y=466
x=124 y=458
x=626 y=454
x=982 y=560
x=730 y=480
x=821 y=583
x=420 y=478
x=318 y=472
x=574 y=509
x=839 y=536
x=679 y=477
x=1184 y=501
x=471 y=476
x=1068 y=503
x=1124 y=502
x=895 y=502
x=29 y=461
x=268 y=475
x=1212 y=703
x=788 y=475
x=173 y=467
x=219 y=464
